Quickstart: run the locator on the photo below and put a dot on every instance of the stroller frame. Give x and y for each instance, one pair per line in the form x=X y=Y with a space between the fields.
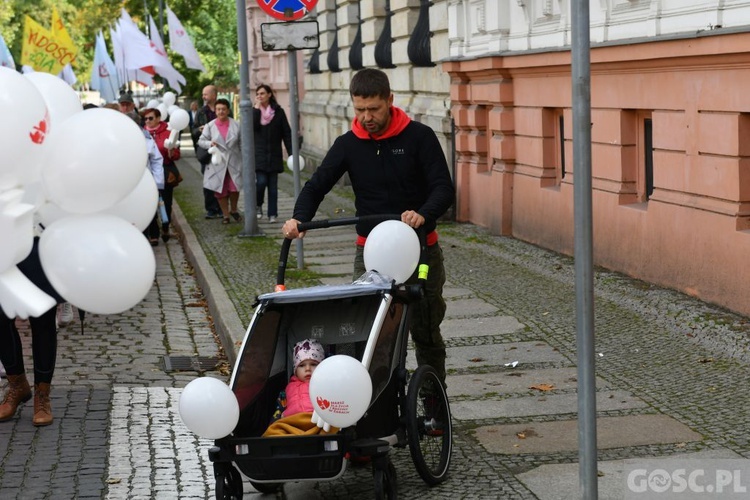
x=368 y=321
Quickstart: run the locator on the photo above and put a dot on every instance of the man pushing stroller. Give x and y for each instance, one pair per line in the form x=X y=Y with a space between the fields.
x=396 y=165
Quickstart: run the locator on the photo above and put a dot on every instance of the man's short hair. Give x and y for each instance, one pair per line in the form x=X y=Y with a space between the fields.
x=370 y=82
x=126 y=97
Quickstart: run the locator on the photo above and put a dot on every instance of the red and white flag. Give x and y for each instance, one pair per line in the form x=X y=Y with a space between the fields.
x=124 y=74
x=180 y=42
x=140 y=52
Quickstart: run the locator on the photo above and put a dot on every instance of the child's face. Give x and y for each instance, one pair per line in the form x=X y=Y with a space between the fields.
x=305 y=369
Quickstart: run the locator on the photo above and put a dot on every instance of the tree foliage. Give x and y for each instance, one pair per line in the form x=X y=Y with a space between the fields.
x=212 y=27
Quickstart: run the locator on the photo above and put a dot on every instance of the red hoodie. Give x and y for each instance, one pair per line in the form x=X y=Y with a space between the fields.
x=399 y=121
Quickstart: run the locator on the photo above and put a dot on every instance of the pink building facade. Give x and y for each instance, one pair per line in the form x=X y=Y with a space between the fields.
x=670 y=145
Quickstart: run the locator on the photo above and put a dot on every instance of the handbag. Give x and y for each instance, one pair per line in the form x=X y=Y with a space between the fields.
x=204 y=157
x=172 y=177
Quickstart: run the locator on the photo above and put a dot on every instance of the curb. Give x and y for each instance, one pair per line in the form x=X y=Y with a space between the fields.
x=227 y=322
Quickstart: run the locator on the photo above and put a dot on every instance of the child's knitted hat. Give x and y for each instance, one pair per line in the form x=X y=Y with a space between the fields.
x=308 y=349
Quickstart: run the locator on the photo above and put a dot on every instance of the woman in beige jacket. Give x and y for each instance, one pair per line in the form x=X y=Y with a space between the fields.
x=224 y=174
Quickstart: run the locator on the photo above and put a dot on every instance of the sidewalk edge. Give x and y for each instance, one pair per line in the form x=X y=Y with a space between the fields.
x=226 y=320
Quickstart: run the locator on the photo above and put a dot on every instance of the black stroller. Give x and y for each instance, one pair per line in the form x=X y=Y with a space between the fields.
x=367 y=321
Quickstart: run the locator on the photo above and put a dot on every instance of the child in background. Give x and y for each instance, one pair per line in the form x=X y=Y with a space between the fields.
x=296 y=397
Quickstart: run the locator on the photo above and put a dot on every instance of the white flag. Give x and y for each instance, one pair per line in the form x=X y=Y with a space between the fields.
x=140 y=52
x=124 y=74
x=6 y=59
x=103 y=72
x=180 y=42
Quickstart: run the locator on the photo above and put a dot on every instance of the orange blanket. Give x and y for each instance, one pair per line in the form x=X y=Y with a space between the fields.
x=296 y=425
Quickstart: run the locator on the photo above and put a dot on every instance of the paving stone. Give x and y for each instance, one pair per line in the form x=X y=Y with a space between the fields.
x=469 y=307
x=562 y=481
x=544 y=404
x=514 y=381
x=562 y=436
x=477 y=327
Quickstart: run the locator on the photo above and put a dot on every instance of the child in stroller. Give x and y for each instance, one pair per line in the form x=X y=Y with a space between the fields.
x=293 y=406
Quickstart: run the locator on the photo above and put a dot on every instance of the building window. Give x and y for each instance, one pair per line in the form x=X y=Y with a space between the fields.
x=560 y=149
x=553 y=134
x=645 y=151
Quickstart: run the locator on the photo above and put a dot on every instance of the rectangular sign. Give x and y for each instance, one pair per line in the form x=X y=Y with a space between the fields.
x=290 y=36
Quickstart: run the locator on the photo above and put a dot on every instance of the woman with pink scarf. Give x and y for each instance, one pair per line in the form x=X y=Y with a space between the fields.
x=271 y=129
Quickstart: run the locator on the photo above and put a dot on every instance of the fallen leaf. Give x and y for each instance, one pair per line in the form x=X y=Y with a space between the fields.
x=521 y=435
x=705 y=360
x=114 y=480
x=542 y=387
x=476 y=360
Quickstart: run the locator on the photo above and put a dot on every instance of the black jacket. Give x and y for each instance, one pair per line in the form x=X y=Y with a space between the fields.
x=268 y=139
x=389 y=176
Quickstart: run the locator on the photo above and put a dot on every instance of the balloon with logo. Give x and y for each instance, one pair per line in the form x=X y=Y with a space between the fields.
x=62 y=101
x=98 y=262
x=340 y=390
x=209 y=408
x=93 y=162
x=392 y=249
x=23 y=129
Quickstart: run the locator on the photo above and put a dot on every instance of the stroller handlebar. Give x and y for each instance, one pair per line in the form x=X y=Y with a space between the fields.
x=348 y=221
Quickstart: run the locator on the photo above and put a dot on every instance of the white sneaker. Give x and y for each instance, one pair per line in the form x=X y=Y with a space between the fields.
x=65 y=314
x=272 y=219
x=259 y=213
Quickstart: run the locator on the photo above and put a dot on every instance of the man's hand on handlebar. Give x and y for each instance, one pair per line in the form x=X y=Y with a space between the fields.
x=412 y=218
x=289 y=230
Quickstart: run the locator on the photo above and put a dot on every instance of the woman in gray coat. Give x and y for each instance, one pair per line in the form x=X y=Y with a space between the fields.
x=224 y=174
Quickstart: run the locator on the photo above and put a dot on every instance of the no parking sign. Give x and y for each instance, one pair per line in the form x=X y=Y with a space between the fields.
x=287 y=10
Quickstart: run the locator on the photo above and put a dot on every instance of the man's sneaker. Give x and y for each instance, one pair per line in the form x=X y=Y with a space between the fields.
x=272 y=219
x=213 y=215
x=259 y=212
x=65 y=314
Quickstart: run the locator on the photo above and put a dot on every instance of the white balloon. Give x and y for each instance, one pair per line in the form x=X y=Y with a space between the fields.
x=340 y=390
x=152 y=104
x=392 y=249
x=290 y=163
x=99 y=263
x=62 y=101
x=178 y=119
x=139 y=206
x=209 y=408
x=94 y=161
x=23 y=129
x=163 y=110
x=169 y=98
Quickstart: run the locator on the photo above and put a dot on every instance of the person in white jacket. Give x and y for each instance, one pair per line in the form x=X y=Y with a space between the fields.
x=224 y=174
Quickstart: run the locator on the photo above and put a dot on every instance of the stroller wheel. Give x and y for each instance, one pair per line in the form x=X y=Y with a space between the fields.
x=228 y=483
x=386 y=483
x=429 y=431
